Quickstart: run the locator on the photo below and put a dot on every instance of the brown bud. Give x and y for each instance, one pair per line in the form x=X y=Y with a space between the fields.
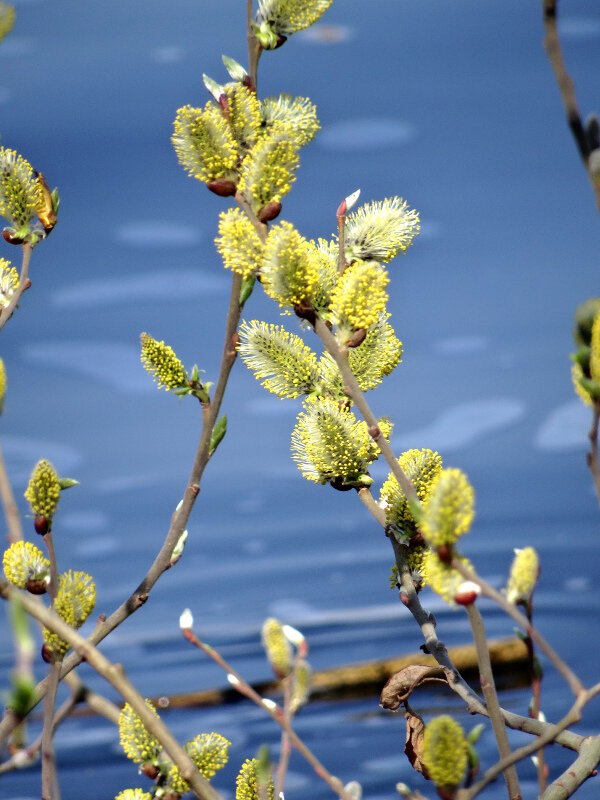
x=338 y=483
x=357 y=338
x=41 y=525
x=280 y=41
x=307 y=312
x=150 y=770
x=374 y=431
x=10 y=238
x=224 y=103
x=444 y=553
x=466 y=594
x=37 y=587
x=222 y=187
x=269 y=211
x=47 y=654
x=248 y=83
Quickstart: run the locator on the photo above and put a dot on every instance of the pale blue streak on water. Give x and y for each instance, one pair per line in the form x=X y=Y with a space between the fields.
x=452 y=106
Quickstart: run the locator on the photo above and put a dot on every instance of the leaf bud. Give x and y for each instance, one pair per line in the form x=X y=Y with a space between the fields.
x=467 y=593
x=222 y=186
x=269 y=211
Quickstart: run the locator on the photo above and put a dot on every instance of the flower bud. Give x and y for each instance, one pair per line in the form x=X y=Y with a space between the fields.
x=445 y=751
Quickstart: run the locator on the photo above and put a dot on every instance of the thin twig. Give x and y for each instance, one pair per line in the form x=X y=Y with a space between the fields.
x=567 y=90
x=115 y=675
x=352 y=389
x=551 y=735
x=536 y=681
x=438 y=650
x=592 y=456
x=286 y=745
x=49 y=776
x=573 y=681
x=11 y=510
x=486 y=679
x=50 y=790
x=369 y=502
x=254 y=47
x=179 y=520
x=579 y=771
x=24 y=283
x=274 y=711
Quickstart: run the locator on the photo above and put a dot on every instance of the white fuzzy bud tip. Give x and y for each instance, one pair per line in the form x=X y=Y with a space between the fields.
x=269 y=704
x=466 y=593
x=292 y=635
x=232 y=679
x=186 y=620
x=351 y=199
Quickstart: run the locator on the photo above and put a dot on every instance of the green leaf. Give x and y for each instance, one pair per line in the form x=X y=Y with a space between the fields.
x=217 y=434
x=66 y=483
x=246 y=289
x=591 y=387
x=235 y=70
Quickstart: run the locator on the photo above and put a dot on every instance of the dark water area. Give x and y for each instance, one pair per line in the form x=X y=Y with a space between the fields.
x=453 y=107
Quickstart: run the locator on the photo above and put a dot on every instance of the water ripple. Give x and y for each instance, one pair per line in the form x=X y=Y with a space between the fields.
x=463 y=425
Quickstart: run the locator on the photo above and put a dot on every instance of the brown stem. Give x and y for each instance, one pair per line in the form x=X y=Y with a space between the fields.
x=592 y=456
x=438 y=650
x=536 y=686
x=341 y=225
x=274 y=711
x=286 y=745
x=179 y=519
x=573 y=681
x=551 y=735
x=486 y=678
x=24 y=283
x=579 y=771
x=53 y=585
x=567 y=90
x=340 y=356
x=254 y=47
x=11 y=511
x=115 y=675
x=49 y=776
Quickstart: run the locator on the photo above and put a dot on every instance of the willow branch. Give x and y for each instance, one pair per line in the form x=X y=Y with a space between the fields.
x=551 y=735
x=573 y=681
x=115 y=675
x=274 y=711
x=254 y=46
x=162 y=562
x=437 y=649
x=11 y=511
x=567 y=90
x=579 y=771
x=353 y=391
x=592 y=456
x=486 y=679
x=49 y=777
x=24 y=283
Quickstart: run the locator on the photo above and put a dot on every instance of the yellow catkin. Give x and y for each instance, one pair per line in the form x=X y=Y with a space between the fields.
x=161 y=362
x=43 y=490
x=24 y=562
x=277 y=647
x=246 y=783
x=445 y=751
x=360 y=295
x=448 y=510
x=523 y=576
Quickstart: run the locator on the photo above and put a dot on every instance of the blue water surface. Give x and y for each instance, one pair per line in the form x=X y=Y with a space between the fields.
x=452 y=106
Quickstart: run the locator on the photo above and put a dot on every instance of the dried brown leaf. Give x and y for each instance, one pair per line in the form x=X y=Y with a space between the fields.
x=415 y=733
x=399 y=687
